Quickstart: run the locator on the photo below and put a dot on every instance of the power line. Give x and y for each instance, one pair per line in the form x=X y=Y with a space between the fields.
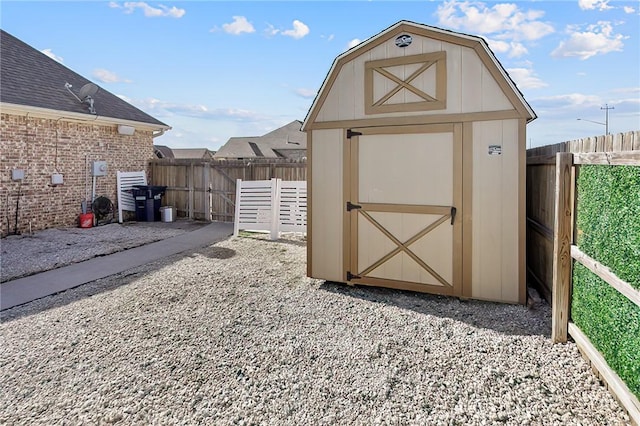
x=606 y=107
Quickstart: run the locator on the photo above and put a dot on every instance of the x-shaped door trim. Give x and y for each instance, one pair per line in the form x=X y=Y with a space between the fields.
x=404 y=247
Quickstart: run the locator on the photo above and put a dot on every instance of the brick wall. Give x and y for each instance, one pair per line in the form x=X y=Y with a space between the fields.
x=42 y=146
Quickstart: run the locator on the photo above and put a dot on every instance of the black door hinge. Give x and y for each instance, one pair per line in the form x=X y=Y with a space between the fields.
x=453 y=214
x=351 y=206
x=351 y=133
x=350 y=276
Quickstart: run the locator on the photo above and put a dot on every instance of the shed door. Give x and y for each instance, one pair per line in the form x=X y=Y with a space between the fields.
x=404 y=208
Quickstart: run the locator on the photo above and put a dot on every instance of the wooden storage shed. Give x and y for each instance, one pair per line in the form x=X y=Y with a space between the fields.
x=416 y=155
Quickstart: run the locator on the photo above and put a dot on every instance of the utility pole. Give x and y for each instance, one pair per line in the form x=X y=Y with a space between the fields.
x=606 y=121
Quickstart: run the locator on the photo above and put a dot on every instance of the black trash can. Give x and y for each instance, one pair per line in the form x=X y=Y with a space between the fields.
x=148 y=199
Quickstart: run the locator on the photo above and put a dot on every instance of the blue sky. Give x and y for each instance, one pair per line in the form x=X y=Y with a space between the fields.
x=214 y=70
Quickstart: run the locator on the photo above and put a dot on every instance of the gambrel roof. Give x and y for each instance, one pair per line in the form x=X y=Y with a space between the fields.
x=478 y=44
x=31 y=79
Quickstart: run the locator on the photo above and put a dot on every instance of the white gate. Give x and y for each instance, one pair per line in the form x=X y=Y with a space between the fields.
x=271 y=205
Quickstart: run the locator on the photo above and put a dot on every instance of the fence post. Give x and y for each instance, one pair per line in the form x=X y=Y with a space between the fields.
x=206 y=170
x=190 y=179
x=236 y=222
x=562 y=240
x=275 y=209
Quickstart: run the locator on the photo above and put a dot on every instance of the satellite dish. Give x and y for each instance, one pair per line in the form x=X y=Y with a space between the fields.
x=88 y=89
x=86 y=93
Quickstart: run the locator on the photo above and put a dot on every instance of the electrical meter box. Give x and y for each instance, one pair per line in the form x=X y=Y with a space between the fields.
x=17 y=174
x=99 y=168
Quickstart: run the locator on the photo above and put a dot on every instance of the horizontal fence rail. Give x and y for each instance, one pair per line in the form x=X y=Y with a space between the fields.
x=606 y=275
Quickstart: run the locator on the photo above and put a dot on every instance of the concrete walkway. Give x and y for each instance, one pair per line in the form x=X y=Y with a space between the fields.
x=23 y=290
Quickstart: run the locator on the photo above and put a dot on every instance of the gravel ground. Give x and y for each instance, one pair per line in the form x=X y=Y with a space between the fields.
x=236 y=334
x=24 y=255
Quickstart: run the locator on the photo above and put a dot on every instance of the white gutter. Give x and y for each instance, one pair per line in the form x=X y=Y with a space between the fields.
x=16 y=109
x=159 y=133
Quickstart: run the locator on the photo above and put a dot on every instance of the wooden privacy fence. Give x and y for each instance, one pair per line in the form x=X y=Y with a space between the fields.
x=551 y=217
x=206 y=189
x=271 y=205
x=541 y=186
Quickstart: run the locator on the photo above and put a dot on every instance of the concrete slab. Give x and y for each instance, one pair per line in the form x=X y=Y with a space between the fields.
x=24 y=290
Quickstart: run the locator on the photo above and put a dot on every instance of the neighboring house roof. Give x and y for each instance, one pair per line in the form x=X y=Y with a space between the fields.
x=296 y=154
x=240 y=147
x=32 y=79
x=433 y=32
x=163 y=151
x=287 y=141
x=290 y=133
x=191 y=153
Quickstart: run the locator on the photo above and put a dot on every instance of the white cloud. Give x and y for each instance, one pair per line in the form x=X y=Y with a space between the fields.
x=271 y=31
x=299 y=30
x=570 y=101
x=149 y=11
x=107 y=76
x=629 y=9
x=306 y=93
x=353 y=43
x=594 y=4
x=525 y=78
x=532 y=30
x=627 y=90
x=597 y=39
x=161 y=108
x=517 y=50
x=513 y=49
x=498 y=46
x=52 y=55
x=238 y=26
x=505 y=20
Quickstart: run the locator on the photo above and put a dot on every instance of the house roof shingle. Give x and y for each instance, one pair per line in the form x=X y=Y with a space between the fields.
x=32 y=79
x=163 y=151
x=191 y=153
x=286 y=141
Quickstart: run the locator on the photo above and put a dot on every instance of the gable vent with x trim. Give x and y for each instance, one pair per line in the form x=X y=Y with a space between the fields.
x=427 y=101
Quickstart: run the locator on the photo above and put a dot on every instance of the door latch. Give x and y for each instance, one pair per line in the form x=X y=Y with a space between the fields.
x=453 y=214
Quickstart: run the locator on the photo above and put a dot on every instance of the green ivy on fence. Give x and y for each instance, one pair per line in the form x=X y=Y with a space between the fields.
x=608 y=230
